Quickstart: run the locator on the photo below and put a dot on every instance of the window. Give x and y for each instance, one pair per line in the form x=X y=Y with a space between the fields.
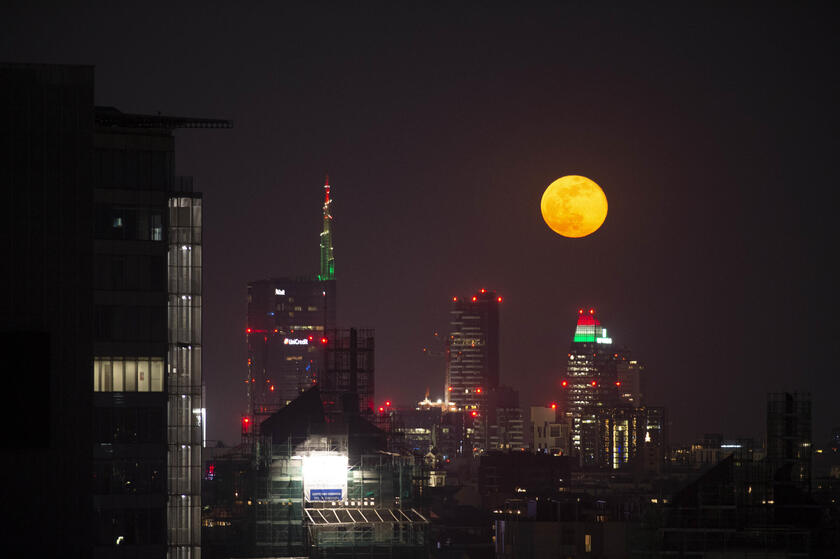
x=132 y=374
x=587 y=543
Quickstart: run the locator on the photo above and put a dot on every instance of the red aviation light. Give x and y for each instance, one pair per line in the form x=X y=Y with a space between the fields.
x=499 y=299
x=474 y=298
x=247 y=330
x=478 y=390
x=311 y=338
x=594 y=383
x=454 y=299
x=618 y=383
x=553 y=406
x=580 y=311
x=271 y=388
x=591 y=311
x=483 y=290
x=474 y=414
x=388 y=403
x=323 y=341
x=449 y=388
x=564 y=383
x=381 y=409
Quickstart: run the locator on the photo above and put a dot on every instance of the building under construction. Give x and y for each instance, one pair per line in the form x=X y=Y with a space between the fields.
x=318 y=488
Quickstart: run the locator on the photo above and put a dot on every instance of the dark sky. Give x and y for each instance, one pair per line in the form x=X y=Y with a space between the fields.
x=711 y=129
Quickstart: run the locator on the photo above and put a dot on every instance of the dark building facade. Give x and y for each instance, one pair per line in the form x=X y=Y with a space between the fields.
x=472 y=352
x=349 y=373
x=46 y=308
x=99 y=184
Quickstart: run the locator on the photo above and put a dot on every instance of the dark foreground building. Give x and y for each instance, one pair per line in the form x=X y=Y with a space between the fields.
x=108 y=243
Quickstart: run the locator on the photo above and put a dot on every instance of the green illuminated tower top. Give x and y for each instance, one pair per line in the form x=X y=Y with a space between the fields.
x=327 y=258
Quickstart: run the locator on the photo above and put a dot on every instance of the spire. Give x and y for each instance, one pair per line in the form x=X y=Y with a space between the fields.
x=327 y=271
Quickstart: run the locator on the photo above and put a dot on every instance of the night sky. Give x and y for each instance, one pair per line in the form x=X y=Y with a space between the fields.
x=713 y=133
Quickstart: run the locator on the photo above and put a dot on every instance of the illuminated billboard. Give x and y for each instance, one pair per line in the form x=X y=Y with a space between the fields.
x=325 y=477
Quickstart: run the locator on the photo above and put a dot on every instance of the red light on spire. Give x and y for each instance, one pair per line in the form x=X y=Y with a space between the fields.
x=618 y=383
x=311 y=338
x=474 y=414
x=381 y=409
x=388 y=403
x=553 y=406
x=594 y=383
x=564 y=383
x=499 y=299
x=323 y=341
x=474 y=298
x=247 y=330
x=483 y=290
x=478 y=390
x=454 y=299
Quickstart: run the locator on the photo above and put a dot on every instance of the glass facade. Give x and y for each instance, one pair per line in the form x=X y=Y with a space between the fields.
x=185 y=407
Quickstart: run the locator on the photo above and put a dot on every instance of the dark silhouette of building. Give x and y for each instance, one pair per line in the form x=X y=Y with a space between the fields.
x=789 y=443
x=97 y=186
x=46 y=311
x=349 y=376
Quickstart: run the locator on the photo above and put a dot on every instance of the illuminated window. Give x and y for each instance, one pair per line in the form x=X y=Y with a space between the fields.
x=132 y=374
x=587 y=543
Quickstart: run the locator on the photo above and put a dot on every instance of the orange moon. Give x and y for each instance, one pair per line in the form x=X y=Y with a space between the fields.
x=574 y=206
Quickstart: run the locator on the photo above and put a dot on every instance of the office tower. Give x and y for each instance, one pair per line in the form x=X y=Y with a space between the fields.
x=287 y=320
x=789 y=440
x=147 y=337
x=472 y=353
x=46 y=135
x=348 y=384
x=591 y=382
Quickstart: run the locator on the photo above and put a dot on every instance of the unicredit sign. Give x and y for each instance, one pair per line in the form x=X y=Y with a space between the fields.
x=295 y=341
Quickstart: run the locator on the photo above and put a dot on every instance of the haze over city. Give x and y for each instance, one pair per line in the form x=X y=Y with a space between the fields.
x=710 y=129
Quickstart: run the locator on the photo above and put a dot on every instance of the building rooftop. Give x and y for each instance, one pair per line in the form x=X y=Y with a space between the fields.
x=110 y=116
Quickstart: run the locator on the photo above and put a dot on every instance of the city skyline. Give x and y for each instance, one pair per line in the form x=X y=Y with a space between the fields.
x=704 y=129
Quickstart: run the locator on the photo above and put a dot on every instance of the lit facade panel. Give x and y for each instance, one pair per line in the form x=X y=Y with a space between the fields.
x=185 y=425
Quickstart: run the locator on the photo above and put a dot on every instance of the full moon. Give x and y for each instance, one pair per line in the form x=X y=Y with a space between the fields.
x=574 y=206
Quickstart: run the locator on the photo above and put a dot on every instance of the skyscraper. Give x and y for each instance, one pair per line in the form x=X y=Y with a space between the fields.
x=286 y=332
x=472 y=353
x=591 y=382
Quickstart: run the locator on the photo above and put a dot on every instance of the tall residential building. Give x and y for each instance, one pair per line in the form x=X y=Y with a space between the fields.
x=591 y=383
x=472 y=353
x=286 y=332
